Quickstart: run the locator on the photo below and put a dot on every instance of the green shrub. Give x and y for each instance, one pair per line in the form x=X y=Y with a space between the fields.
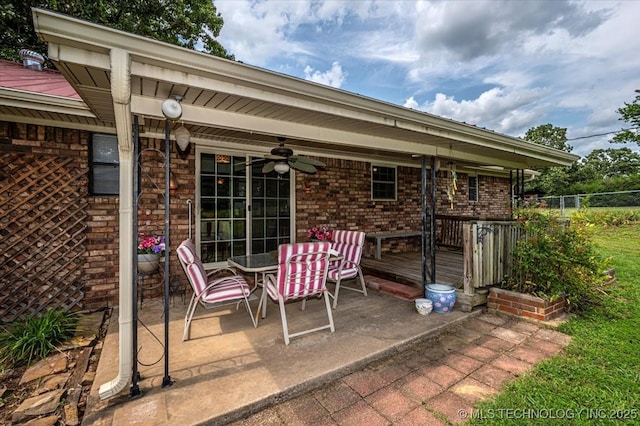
x=35 y=337
x=555 y=257
x=607 y=217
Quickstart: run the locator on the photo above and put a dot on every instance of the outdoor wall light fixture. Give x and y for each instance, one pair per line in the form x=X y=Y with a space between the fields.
x=281 y=167
x=172 y=110
x=171 y=107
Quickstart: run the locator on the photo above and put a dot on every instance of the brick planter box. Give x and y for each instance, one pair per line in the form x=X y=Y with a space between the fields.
x=524 y=305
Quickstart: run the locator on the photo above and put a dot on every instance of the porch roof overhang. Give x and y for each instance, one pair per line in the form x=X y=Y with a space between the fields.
x=237 y=106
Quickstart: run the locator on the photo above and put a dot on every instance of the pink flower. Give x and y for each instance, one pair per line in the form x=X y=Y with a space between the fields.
x=152 y=244
x=321 y=233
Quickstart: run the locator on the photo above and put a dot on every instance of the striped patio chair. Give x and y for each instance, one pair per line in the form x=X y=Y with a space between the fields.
x=349 y=244
x=302 y=273
x=208 y=291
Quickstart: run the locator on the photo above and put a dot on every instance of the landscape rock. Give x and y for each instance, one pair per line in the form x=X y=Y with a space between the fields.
x=38 y=406
x=53 y=382
x=42 y=421
x=71 y=416
x=52 y=365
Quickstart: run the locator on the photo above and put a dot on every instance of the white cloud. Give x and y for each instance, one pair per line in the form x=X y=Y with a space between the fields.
x=333 y=77
x=504 y=65
x=500 y=109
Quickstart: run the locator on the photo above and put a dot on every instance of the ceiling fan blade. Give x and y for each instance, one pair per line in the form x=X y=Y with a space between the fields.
x=268 y=168
x=303 y=167
x=274 y=157
x=240 y=166
x=303 y=159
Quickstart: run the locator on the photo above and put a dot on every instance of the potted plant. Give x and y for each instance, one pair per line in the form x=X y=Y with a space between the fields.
x=319 y=233
x=150 y=249
x=556 y=268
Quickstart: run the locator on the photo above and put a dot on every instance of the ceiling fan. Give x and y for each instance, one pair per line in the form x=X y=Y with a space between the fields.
x=282 y=159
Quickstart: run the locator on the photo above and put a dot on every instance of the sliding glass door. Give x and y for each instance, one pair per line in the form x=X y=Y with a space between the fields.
x=270 y=215
x=241 y=210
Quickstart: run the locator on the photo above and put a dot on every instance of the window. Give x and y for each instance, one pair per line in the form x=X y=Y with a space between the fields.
x=473 y=188
x=383 y=183
x=104 y=174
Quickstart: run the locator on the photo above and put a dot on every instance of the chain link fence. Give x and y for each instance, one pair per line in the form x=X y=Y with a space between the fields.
x=619 y=199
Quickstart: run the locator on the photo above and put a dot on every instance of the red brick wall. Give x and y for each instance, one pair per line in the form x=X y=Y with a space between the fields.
x=524 y=305
x=340 y=197
x=101 y=266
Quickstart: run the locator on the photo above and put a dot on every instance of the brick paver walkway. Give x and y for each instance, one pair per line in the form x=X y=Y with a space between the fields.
x=428 y=384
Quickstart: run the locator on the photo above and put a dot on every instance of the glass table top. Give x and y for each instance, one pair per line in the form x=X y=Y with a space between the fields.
x=256 y=262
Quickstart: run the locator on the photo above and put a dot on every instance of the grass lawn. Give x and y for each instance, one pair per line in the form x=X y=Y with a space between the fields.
x=600 y=371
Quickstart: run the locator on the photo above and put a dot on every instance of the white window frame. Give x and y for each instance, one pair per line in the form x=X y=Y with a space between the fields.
x=93 y=163
x=395 y=182
x=197 y=209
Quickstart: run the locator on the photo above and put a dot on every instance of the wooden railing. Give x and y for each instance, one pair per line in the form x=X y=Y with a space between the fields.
x=449 y=229
x=488 y=252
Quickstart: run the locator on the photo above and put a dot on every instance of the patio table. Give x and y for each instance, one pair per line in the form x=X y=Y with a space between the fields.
x=264 y=263
x=259 y=263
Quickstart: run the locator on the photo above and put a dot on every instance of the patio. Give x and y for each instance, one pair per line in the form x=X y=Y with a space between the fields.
x=229 y=369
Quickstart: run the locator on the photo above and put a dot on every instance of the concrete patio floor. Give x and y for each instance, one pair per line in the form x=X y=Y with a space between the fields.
x=229 y=370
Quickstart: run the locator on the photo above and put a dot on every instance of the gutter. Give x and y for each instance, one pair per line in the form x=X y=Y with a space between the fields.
x=121 y=94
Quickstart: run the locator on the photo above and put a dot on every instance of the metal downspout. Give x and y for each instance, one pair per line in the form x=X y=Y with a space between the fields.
x=121 y=95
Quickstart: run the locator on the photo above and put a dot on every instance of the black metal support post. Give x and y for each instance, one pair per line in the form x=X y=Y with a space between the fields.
x=135 y=389
x=432 y=242
x=166 y=380
x=511 y=191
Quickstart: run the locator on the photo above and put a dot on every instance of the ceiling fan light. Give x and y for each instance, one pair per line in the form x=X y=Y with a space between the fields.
x=281 y=167
x=182 y=138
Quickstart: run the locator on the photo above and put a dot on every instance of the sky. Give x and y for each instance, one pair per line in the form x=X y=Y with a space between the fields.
x=506 y=66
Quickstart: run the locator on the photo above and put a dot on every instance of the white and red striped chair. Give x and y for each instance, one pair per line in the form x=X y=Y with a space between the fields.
x=302 y=273
x=349 y=244
x=210 y=291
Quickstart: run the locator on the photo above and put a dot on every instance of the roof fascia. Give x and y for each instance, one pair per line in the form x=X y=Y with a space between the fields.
x=57 y=123
x=42 y=102
x=233 y=121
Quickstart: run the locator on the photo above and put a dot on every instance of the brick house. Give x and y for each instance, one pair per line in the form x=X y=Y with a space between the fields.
x=83 y=116
x=67 y=178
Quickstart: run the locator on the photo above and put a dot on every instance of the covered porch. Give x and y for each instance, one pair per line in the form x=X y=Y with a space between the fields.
x=124 y=80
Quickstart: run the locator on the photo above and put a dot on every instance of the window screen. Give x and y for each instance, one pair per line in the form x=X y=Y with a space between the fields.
x=383 y=183
x=104 y=165
x=473 y=188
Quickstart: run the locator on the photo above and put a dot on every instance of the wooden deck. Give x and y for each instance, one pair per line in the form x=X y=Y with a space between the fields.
x=405 y=268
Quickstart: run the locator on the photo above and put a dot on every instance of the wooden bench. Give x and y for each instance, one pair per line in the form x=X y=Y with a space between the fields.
x=388 y=235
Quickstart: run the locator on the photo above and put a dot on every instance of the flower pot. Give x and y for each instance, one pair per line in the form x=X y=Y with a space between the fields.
x=148 y=262
x=424 y=306
x=442 y=296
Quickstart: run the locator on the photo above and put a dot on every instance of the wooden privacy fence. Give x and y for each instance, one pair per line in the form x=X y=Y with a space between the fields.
x=488 y=252
x=42 y=234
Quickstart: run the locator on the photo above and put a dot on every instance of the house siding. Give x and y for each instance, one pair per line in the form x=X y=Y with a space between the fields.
x=338 y=196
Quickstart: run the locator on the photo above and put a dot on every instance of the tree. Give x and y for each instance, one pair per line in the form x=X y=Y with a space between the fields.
x=548 y=135
x=187 y=23
x=630 y=113
x=552 y=180
x=610 y=163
